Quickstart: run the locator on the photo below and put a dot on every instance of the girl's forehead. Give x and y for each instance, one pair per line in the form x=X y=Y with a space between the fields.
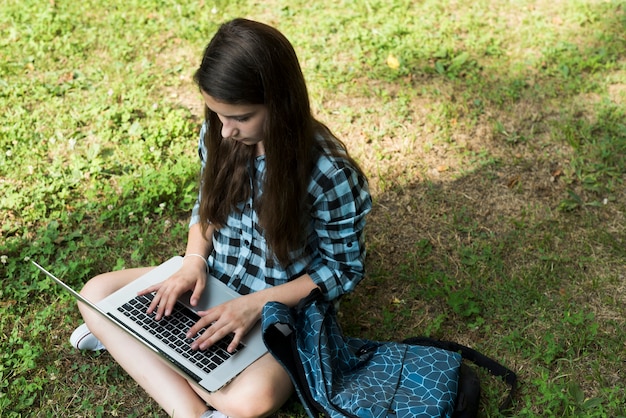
x=229 y=109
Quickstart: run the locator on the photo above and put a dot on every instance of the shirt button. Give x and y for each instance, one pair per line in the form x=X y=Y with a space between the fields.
x=247 y=243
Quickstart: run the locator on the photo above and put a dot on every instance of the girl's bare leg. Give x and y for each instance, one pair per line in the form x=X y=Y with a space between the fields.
x=261 y=389
x=258 y=391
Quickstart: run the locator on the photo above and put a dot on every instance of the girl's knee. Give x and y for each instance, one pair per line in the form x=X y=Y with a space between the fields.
x=253 y=401
x=258 y=405
x=104 y=284
x=97 y=288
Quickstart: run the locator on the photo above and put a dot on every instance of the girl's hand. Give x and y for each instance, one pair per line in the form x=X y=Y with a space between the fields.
x=236 y=316
x=191 y=276
x=239 y=315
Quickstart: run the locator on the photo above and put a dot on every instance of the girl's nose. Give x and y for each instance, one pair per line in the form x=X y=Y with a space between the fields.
x=229 y=130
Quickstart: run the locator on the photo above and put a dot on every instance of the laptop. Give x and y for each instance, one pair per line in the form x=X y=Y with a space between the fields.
x=210 y=369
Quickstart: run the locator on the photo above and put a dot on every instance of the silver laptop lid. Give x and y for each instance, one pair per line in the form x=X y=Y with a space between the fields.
x=215 y=294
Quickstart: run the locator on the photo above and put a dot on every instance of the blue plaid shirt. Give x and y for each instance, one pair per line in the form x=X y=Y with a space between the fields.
x=334 y=253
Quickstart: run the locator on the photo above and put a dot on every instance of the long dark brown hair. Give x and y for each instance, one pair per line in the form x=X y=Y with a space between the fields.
x=248 y=62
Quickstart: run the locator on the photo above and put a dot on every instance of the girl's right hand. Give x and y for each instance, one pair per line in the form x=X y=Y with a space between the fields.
x=191 y=276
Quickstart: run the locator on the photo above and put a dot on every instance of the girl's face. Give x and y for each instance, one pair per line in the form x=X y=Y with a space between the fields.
x=240 y=122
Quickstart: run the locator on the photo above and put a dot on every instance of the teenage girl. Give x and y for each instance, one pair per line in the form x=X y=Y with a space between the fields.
x=281 y=211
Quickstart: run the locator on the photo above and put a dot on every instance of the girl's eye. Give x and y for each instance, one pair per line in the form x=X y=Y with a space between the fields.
x=242 y=119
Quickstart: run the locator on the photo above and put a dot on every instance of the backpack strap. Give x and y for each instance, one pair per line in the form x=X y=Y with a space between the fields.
x=477 y=358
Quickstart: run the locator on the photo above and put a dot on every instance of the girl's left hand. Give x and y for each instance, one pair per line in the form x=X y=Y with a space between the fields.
x=236 y=316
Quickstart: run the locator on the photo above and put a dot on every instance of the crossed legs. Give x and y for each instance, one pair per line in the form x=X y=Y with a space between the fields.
x=257 y=392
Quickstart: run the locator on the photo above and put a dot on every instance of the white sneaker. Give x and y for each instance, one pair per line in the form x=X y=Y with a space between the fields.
x=213 y=414
x=83 y=339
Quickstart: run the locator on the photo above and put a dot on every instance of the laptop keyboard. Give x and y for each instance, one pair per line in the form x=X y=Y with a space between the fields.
x=172 y=329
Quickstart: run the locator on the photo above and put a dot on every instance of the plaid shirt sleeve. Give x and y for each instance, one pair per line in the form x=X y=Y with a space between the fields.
x=195 y=212
x=341 y=200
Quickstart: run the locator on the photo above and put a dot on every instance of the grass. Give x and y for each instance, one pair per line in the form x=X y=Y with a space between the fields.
x=492 y=132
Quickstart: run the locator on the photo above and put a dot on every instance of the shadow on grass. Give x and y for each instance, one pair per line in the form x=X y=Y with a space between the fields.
x=522 y=256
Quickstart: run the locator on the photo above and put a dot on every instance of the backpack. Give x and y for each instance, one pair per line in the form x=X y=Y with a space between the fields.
x=338 y=376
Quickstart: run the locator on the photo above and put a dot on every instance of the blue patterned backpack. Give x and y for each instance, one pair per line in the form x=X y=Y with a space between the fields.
x=338 y=376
